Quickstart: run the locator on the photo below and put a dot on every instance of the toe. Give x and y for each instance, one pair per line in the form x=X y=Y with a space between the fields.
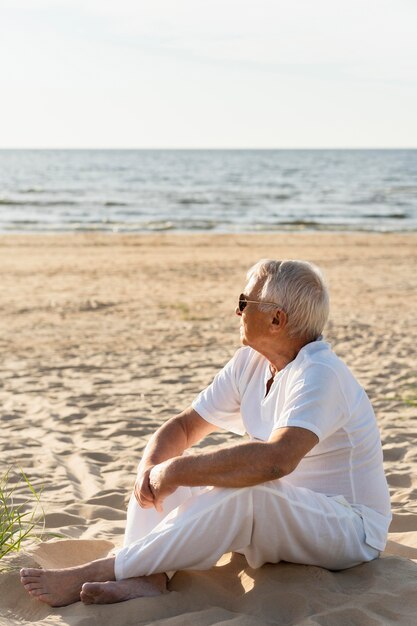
x=32 y=586
x=87 y=589
x=27 y=571
x=89 y=593
x=37 y=592
x=86 y=598
x=44 y=597
x=29 y=579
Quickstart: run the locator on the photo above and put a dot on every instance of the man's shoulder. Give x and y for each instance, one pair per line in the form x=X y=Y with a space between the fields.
x=318 y=362
x=323 y=366
x=320 y=354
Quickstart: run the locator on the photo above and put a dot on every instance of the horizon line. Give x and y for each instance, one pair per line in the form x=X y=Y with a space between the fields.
x=210 y=148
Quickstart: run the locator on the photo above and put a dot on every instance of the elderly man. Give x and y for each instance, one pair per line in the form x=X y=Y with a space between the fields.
x=308 y=485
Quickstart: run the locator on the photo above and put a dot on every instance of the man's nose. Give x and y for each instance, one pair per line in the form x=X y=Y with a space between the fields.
x=238 y=311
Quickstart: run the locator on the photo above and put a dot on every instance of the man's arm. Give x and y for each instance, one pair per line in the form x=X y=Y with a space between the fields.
x=170 y=440
x=242 y=465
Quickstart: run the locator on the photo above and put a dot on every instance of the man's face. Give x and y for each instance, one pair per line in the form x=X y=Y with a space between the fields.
x=253 y=322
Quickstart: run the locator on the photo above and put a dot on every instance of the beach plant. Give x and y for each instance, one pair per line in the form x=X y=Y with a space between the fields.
x=410 y=398
x=21 y=513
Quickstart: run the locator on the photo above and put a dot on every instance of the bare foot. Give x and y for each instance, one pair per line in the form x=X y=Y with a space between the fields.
x=121 y=590
x=59 y=587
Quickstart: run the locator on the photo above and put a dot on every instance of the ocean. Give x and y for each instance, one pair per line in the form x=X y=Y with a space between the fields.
x=207 y=190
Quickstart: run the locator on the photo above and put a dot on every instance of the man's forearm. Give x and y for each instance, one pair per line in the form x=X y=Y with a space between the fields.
x=167 y=442
x=242 y=465
x=175 y=436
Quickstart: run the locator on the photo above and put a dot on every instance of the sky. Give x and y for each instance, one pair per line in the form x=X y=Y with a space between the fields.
x=208 y=74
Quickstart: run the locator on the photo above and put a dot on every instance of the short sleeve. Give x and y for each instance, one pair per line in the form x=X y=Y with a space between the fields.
x=219 y=403
x=315 y=401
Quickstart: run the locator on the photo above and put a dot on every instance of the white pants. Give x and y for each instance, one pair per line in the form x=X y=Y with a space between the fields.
x=270 y=522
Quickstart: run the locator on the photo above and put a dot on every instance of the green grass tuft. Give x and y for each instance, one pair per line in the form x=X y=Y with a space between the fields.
x=410 y=396
x=411 y=401
x=21 y=513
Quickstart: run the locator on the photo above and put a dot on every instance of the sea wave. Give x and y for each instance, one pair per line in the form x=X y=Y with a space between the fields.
x=208 y=190
x=386 y=216
x=32 y=226
x=38 y=203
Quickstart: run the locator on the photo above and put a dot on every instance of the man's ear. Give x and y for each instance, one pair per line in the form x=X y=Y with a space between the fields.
x=280 y=318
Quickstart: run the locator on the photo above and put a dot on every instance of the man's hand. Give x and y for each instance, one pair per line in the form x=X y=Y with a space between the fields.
x=160 y=484
x=142 y=490
x=168 y=442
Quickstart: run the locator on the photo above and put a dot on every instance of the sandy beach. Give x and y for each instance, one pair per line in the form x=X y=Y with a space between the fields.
x=103 y=337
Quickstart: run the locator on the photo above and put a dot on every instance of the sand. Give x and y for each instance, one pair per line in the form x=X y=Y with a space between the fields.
x=103 y=337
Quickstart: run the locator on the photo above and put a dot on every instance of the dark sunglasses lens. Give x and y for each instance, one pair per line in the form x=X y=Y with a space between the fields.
x=242 y=304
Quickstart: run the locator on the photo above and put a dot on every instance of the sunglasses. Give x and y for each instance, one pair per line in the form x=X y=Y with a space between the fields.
x=243 y=302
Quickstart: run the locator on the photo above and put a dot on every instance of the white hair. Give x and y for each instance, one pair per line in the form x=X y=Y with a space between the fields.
x=298 y=288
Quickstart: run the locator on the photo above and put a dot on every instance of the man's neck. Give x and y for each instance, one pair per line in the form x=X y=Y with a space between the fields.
x=281 y=355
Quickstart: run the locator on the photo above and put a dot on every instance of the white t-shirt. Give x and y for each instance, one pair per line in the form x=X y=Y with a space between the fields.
x=318 y=392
